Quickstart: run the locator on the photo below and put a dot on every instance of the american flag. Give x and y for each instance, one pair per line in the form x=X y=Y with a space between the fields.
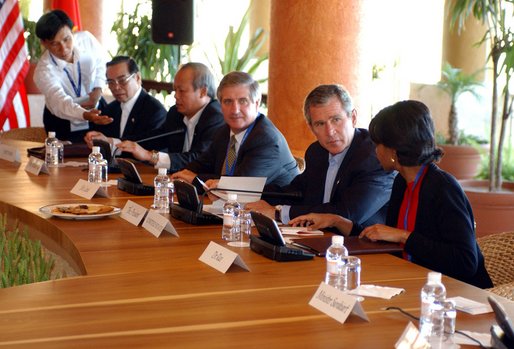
x=14 y=111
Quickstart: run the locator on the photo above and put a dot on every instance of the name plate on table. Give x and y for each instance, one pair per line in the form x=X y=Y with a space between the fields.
x=156 y=224
x=133 y=213
x=221 y=258
x=87 y=189
x=336 y=303
x=9 y=153
x=411 y=338
x=36 y=166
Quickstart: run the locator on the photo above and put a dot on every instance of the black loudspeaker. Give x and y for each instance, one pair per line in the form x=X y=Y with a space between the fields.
x=172 y=22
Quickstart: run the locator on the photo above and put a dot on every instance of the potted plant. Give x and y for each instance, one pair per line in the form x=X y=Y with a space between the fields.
x=461 y=158
x=499 y=35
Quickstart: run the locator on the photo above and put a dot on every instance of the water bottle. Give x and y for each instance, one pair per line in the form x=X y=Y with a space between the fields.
x=431 y=321
x=450 y=317
x=97 y=166
x=335 y=276
x=231 y=208
x=54 y=150
x=161 y=198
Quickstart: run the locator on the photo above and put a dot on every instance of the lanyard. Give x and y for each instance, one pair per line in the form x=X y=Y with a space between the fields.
x=230 y=171
x=76 y=88
x=411 y=194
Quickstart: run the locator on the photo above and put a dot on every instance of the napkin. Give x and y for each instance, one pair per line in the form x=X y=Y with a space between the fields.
x=484 y=338
x=74 y=164
x=376 y=291
x=470 y=306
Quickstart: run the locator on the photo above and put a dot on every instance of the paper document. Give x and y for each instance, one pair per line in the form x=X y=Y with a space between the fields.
x=245 y=184
x=299 y=231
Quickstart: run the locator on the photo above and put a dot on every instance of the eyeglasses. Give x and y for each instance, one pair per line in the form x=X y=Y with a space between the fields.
x=120 y=81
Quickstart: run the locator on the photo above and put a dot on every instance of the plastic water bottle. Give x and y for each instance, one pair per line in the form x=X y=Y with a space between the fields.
x=54 y=150
x=97 y=166
x=161 y=198
x=231 y=208
x=450 y=317
x=335 y=252
x=431 y=321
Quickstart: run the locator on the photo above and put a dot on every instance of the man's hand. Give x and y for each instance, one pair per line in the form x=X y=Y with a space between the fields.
x=314 y=221
x=262 y=207
x=94 y=116
x=137 y=151
x=88 y=138
x=185 y=175
x=385 y=233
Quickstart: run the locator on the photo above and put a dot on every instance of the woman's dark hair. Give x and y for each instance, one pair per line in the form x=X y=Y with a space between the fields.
x=406 y=127
x=50 y=23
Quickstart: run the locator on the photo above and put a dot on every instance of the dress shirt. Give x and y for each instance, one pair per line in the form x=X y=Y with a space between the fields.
x=51 y=79
x=126 y=108
x=334 y=162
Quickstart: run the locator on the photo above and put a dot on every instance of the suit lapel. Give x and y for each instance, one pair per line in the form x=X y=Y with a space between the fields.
x=136 y=110
x=343 y=169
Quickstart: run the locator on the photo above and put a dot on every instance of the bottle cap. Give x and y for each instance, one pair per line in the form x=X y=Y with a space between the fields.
x=162 y=170
x=338 y=240
x=434 y=277
x=232 y=197
x=51 y=134
x=96 y=149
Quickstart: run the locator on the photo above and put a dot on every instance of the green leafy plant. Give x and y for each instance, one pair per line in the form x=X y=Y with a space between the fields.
x=250 y=60
x=134 y=34
x=22 y=260
x=455 y=83
x=33 y=45
x=495 y=14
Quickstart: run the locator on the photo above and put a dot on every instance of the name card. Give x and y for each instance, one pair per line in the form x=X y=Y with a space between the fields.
x=133 y=213
x=411 y=338
x=36 y=166
x=336 y=303
x=221 y=258
x=9 y=153
x=156 y=224
x=87 y=189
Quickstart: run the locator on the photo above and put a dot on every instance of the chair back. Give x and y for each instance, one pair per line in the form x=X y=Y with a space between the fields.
x=32 y=134
x=498 y=251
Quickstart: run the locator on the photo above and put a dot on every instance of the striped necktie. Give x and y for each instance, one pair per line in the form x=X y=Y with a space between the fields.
x=231 y=155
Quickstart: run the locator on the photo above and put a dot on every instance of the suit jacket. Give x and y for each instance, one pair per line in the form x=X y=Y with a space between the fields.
x=146 y=114
x=361 y=188
x=211 y=119
x=444 y=236
x=264 y=153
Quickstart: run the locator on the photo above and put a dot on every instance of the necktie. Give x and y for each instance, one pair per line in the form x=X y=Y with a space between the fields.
x=231 y=155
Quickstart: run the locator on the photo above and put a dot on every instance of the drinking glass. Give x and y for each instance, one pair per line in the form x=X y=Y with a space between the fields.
x=245 y=228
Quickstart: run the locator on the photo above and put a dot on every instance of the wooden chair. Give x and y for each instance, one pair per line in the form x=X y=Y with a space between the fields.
x=32 y=134
x=157 y=86
x=499 y=257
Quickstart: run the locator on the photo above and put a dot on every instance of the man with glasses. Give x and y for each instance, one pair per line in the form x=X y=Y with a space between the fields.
x=71 y=75
x=248 y=144
x=189 y=126
x=342 y=173
x=134 y=111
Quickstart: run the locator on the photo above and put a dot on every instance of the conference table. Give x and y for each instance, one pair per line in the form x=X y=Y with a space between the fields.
x=139 y=291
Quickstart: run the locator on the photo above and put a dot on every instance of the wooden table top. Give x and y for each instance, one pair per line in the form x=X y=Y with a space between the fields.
x=141 y=291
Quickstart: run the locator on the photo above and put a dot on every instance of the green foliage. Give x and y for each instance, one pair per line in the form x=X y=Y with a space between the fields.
x=33 y=44
x=250 y=60
x=157 y=62
x=463 y=139
x=21 y=259
x=455 y=82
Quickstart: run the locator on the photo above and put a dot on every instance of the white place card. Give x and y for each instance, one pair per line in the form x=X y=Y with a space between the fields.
x=9 y=153
x=133 y=213
x=410 y=339
x=221 y=258
x=36 y=166
x=155 y=223
x=336 y=303
x=87 y=189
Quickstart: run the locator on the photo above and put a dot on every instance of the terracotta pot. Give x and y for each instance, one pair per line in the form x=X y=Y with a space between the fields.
x=462 y=161
x=493 y=211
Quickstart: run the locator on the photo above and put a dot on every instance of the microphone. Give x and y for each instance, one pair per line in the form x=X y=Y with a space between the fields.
x=170 y=133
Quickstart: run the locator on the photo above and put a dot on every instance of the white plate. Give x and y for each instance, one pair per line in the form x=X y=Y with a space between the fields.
x=48 y=210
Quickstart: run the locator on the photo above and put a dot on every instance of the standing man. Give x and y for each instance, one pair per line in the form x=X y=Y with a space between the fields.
x=248 y=145
x=343 y=174
x=134 y=111
x=71 y=75
x=193 y=119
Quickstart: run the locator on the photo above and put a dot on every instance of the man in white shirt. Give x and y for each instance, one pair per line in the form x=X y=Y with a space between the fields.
x=71 y=75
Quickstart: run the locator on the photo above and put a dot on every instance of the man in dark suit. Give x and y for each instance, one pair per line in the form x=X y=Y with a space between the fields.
x=192 y=122
x=248 y=145
x=134 y=111
x=343 y=174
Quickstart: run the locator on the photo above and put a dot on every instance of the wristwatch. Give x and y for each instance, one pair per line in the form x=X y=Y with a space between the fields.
x=155 y=157
x=278 y=213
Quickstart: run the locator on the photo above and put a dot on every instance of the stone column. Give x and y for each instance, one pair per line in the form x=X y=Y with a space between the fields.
x=314 y=42
x=91 y=12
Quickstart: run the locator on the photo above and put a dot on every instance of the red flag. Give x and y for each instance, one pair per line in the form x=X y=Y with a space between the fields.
x=71 y=7
x=14 y=65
